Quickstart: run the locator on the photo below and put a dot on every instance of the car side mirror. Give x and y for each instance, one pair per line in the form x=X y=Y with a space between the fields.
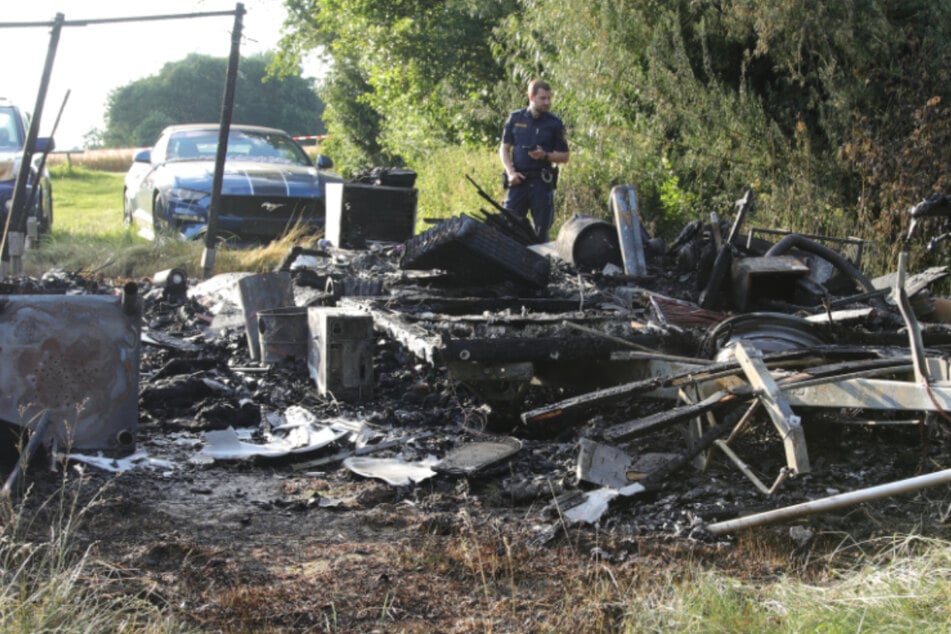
x=142 y=156
x=324 y=162
x=44 y=145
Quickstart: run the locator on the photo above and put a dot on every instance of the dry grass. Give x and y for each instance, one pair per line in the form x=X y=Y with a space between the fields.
x=115 y=159
x=48 y=583
x=106 y=160
x=126 y=256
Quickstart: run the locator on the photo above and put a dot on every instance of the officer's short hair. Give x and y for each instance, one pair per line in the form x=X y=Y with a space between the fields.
x=537 y=84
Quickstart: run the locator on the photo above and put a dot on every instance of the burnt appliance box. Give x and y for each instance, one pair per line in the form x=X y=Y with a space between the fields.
x=475 y=253
x=358 y=213
x=765 y=278
x=340 y=352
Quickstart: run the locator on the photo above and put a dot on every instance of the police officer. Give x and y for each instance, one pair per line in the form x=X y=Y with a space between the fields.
x=533 y=140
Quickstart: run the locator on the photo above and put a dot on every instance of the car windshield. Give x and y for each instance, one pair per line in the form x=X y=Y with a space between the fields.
x=9 y=131
x=243 y=145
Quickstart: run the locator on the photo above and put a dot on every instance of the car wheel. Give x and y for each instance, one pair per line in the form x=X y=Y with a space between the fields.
x=44 y=213
x=127 y=211
x=46 y=222
x=159 y=215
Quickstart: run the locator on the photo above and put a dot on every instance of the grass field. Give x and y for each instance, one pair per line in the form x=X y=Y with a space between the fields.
x=86 y=202
x=89 y=235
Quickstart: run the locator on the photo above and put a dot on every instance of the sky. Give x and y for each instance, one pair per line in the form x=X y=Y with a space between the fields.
x=93 y=60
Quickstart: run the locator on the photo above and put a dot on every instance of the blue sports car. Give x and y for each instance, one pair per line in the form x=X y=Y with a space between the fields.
x=13 y=130
x=269 y=185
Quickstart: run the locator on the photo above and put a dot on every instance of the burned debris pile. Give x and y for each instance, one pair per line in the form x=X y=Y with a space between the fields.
x=605 y=377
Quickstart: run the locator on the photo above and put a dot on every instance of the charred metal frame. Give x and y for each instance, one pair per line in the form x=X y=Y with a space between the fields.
x=499 y=367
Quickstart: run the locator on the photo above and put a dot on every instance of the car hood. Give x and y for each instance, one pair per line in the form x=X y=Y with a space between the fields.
x=249 y=178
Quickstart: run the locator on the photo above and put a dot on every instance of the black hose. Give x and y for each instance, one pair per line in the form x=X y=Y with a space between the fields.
x=795 y=241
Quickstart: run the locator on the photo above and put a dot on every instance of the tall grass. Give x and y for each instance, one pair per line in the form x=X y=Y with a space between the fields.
x=900 y=585
x=48 y=583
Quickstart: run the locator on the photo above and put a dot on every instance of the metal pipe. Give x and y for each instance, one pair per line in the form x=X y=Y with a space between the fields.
x=16 y=219
x=915 y=342
x=224 y=131
x=629 y=228
x=27 y=455
x=46 y=152
x=130 y=299
x=742 y=466
x=834 y=502
x=743 y=205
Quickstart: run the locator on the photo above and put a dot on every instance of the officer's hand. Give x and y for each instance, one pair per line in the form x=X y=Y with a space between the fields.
x=538 y=153
x=515 y=178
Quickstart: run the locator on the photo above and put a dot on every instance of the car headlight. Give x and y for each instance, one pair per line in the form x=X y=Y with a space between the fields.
x=9 y=169
x=186 y=195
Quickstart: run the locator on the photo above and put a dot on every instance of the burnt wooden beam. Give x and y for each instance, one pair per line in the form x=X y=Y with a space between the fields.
x=572 y=410
x=515 y=349
x=630 y=429
x=575 y=409
x=417 y=302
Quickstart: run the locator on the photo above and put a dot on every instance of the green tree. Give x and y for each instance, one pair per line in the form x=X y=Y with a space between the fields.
x=835 y=111
x=417 y=74
x=694 y=100
x=189 y=91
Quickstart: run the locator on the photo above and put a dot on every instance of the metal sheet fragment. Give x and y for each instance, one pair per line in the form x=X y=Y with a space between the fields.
x=602 y=464
x=224 y=444
x=76 y=356
x=391 y=470
x=260 y=292
x=596 y=503
x=473 y=457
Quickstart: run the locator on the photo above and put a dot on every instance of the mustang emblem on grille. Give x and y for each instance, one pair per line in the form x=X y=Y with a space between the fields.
x=271 y=207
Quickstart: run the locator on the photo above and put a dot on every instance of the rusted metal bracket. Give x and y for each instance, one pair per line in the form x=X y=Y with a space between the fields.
x=784 y=419
x=784 y=473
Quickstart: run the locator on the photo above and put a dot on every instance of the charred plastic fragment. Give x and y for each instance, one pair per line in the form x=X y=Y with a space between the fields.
x=475 y=254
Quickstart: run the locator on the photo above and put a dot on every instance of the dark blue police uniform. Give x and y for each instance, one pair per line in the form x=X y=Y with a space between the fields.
x=536 y=193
